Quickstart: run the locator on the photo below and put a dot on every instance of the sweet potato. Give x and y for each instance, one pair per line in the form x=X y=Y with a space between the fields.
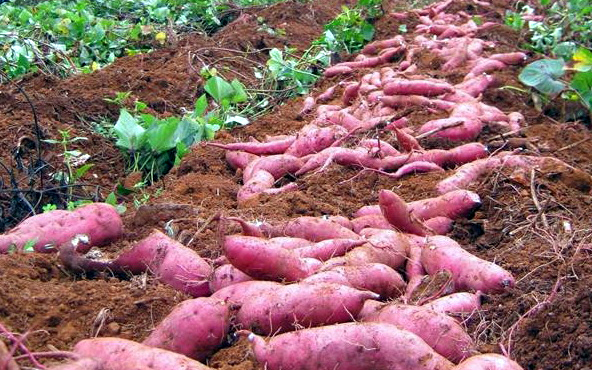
x=277 y=165
x=381 y=147
x=345 y=119
x=368 y=211
x=455 y=204
x=328 y=249
x=343 y=156
x=469 y=128
x=376 y=221
x=123 y=354
x=100 y=222
x=301 y=305
x=259 y=258
x=240 y=160
x=510 y=58
x=456 y=303
x=350 y=346
x=337 y=70
x=312 y=139
x=327 y=94
x=227 y=275
x=350 y=93
x=488 y=361
x=171 y=262
x=405 y=101
x=395 y=210
x=439 y=225
x=417 y=167
x=376 y=46
x=342 y=220
x=485 y=66
x=468 y=271
x=439 y=331
x=258 y=182
x=417 y=87
x=194 y=328
x=516 y=120
x=315 y=229
x=384 y=246
x=307 y=106
x=84 y=363
x=476 y=85
x=265 y=148
x=238 y=293
x=375 y=277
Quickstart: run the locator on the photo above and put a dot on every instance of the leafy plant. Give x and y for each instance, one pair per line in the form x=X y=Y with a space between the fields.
x=548 y=76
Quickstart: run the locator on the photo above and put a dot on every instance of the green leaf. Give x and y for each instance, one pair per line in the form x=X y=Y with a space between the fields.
x=582 y=83
x=83 y=170
x=583 y=59
x=161 y=137
x=29 y=246
x=111 y=199
x=543 y=75
x=240 y=95
x=201 y=104
x=565 y=50
x=130 y=135
x=218 y=88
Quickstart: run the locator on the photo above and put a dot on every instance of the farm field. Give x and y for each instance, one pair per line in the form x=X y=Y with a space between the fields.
x=447 y=90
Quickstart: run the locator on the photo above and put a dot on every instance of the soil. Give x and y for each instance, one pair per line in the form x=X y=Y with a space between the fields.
x=549 y=250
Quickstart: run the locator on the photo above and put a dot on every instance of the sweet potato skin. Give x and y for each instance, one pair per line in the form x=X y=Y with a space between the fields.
x=194 y=328
x=301 y=305
x=351 y=346
x=488 y=361
x=123 y=354
x=456 y=303
x=237 y=294
x=438 y=330
x=99 y=221
x=227 y=275
x=172 y=263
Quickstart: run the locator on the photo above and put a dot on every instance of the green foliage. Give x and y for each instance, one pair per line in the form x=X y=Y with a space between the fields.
x=154 y=145
x=548 y=76
x=68 y=36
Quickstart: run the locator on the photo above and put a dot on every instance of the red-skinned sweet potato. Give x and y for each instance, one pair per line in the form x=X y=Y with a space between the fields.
x=259 y=258
x=417 y=167
x=468 y=271
x=395 y=210
x=328 y=249
x=240 y=160
x=455 y=204
x=366 y=346
x=277 y=165
x=488 y=361
x=439 y=225
x=376 y=221
x=100 y=222
x=313 y=139
x=227 y=275
x=337 y=70
x=265 y=148
x=301 y=305
x=456 y=303
x=238 y=293
x=417 y=87
x=123 y=354
x=171 y=262
x=315 y=229
x=375 y=277
x=194 y=328
x=439 y=331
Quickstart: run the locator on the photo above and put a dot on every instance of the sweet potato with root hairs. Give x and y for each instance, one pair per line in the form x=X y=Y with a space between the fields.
x=439 y=331
x=455 y=204
x=313 y=139
x=171 y=262
x=485 y=66
x=381 y=147
x=404 y=101
x=384 y=246
x=469 y=128
x=123 y=354
x=350 y=346
x=342 y=220
x=100 y=222
x=488 y=361
x=238 y=293
x=277 y=165
x=376 y=221
x=301 y=305
x=227 y=275
x=395 y=210
x=417 y=167
x=194 y=328
x=344 y=119
x=289 y=242
x=343 y=156
x=265 y=148
x=260 y=259
x=337 y=70
x=258 y=182
x=327 y=94
x=375 y=277
x=417 y=87
x=377 y=46
x=456 y=303
x=510 y=58
x=315 y=229
x=439 y=225
x=406 y=142
x=371 y=308
x=240 y=160
x=468 y=271
x=328 y=249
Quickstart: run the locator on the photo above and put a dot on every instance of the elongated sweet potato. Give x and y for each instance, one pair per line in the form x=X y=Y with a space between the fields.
x=469 y=128
x=376 y=221
x=328 y=249
x=227 y=275
x=417 y=167
x=337 y=70
x=171 y=262
x=240 y=160
x=315 y=229
x=350 y=346
x=375 y=277
x=455 y=204
x=439 y=225
x=265 y=148
x=236 y=294
x=301 y=305
x=258 y=182
x=312 y=139
x=468 y=271
x=258 y=258
x=123 y=354
x=417 y=87
x=456 y=303
x=194 y=328
x=100 y=222
x=395 y=210
x=488 y=361
x=439 y=331
x=277 y=165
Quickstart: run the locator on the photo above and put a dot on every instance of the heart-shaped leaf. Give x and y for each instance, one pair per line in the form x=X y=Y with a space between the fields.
x=543 y=75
